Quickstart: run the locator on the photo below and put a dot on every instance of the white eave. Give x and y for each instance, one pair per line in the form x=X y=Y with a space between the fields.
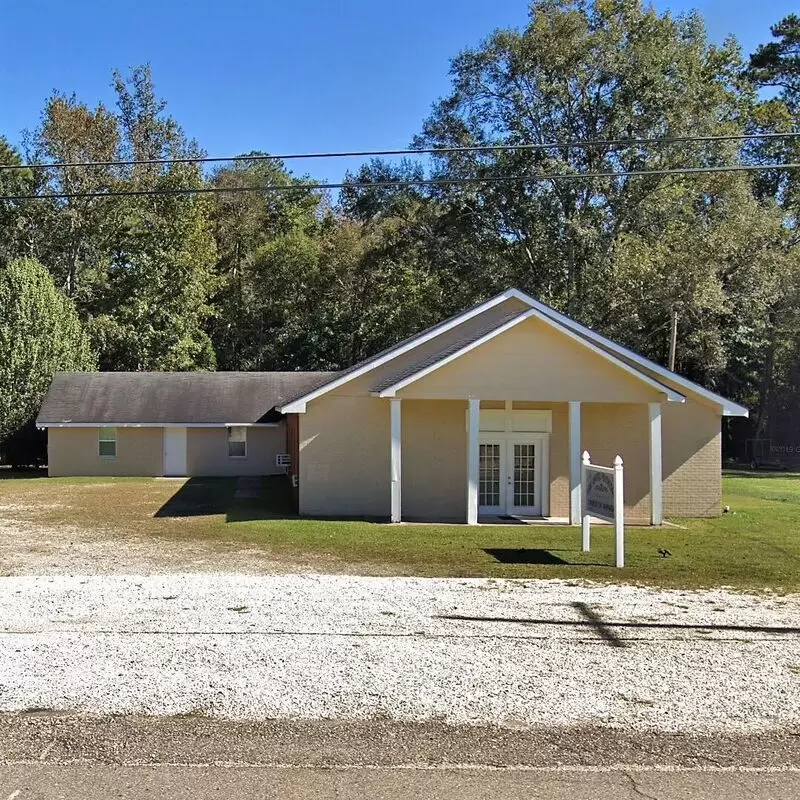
x=298 y=406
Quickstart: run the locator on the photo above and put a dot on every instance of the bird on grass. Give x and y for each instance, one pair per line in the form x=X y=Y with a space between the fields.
x=663 y=552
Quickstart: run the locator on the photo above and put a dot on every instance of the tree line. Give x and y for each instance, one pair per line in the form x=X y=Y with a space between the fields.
x=301 y=279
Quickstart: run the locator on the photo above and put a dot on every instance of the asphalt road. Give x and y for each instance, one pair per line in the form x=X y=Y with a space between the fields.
x=49 y=782
x=45 y=756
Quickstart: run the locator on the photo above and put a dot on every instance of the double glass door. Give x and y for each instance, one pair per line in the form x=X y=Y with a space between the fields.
x=510 y=476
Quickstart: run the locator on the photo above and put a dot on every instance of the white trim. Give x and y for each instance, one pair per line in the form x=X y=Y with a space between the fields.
x=729 y=408
x=672 y=395
x=298 y=406
x=574 y=462
x=158 y=424
x=473 y=458
x=396 y=459
x=580 y=332
x=656 y=483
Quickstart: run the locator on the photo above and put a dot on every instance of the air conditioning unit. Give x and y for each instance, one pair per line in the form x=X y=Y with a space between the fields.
x=283 y=460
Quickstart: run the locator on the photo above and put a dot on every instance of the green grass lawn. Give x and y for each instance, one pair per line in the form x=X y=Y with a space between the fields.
x=756 y=545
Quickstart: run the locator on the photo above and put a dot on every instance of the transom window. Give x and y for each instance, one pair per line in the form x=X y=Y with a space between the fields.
x=107 y=443
x=237 y=441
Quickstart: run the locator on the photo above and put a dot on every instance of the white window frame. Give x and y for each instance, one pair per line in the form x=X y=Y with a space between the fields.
x=105 y=440
x=241 y=428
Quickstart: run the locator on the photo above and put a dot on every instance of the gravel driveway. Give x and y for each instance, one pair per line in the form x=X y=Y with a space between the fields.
x=511 y=653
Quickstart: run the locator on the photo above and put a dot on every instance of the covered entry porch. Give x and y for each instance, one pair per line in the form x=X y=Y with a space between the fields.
x=481 y=460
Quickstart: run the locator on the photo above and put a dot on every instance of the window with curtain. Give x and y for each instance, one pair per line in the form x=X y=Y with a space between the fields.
x=237 y=441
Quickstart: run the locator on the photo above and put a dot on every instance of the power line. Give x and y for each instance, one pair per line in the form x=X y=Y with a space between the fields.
x=579 y=144
x=490 y=179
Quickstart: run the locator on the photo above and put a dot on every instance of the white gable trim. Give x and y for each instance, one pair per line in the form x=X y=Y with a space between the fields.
x=390 y=391
x=729 y=408
x=672 y=395
x=298 y=406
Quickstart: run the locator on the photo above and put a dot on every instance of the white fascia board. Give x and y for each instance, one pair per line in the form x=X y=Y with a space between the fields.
x=729 y=408
x=298 y=406
x=672 y=395
x=390 y=391
x=157 y=424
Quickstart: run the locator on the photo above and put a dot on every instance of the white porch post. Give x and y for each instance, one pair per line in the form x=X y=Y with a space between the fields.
x=574 y=462
x=473 y=459
x=395 y=459
x=656 y=480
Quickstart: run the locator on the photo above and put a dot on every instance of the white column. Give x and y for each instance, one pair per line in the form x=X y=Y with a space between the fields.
x=395 y=459
x=586 y=531
x=473 y=459
x=619 y=515
x=575 y=462
x=656 y=480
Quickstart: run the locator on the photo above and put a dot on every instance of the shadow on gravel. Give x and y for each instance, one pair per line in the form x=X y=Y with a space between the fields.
x=607 y=630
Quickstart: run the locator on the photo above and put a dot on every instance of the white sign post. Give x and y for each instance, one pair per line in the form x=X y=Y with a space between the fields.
x=602 y=498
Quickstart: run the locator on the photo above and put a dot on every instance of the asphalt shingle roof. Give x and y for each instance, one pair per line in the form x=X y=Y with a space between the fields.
x=172 y=397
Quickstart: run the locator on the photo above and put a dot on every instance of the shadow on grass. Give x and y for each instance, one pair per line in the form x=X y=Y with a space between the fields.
x=201 y=497
x=10 y=473
x=532 y=555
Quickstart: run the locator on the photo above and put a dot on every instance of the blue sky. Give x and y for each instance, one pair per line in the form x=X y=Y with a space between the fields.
x=274 y=75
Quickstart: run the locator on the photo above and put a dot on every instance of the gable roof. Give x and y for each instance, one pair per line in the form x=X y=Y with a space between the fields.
x=171 y=398
x=654 y=374
x=729 y=408
x=298 y=402
x=434 y=363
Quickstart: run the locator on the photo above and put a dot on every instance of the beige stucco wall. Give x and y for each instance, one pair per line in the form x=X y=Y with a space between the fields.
x=207 y=452
x=608 y=430
x=434 y=459
x=344 y=456
x=73 y=451
x=350 y=438
x=692 y=459
x=345 y=441
x=532 y=360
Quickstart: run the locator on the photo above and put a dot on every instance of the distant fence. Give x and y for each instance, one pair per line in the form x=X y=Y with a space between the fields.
x=772 y=454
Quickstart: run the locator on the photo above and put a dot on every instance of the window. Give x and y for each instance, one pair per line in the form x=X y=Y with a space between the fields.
x=107 y=443
x=237 y=442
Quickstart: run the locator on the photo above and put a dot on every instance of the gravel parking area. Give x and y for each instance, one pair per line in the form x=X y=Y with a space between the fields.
x=518 y=654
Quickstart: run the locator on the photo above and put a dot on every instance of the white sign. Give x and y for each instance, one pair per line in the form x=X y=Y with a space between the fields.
x=599 y=490
x=602 y=498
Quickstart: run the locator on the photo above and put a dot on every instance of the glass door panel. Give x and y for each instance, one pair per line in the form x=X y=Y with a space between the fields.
x=490 y=476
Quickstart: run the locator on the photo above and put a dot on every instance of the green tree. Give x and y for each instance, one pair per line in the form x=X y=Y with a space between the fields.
x=13 y=234
x=40 y=334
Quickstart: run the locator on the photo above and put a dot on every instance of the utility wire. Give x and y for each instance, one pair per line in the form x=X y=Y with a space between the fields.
x=490 y=179
x=579 y=144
